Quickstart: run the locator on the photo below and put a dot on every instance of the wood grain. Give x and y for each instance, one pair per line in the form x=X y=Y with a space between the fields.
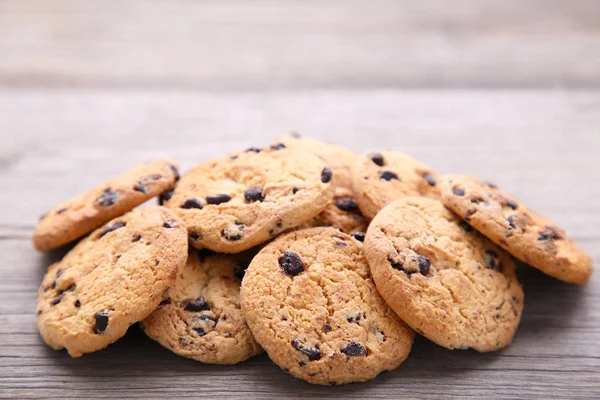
x=299 y=44
x=542 y=145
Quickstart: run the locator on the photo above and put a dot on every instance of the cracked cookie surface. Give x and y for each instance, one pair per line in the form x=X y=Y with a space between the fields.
x=200 y=316
x=237 y=202
x=310 y=301
x=86 y=212
x=110 y=280
x=445 y=280
x=380 y=177
x=519 y=230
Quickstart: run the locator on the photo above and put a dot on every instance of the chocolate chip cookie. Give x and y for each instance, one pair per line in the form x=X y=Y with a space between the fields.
x=237 y=202
x=341 y=213
x=444 y=279
x=311 y=304
x=523 y=233
x=200 y=316
x=110 y=280
x=86 y=212
x=381 y=177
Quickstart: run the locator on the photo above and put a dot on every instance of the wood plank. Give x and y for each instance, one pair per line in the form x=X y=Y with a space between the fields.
x=542 y=145
x=299 y=44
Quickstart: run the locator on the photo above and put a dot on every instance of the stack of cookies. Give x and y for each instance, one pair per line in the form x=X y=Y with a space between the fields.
x=326 y=260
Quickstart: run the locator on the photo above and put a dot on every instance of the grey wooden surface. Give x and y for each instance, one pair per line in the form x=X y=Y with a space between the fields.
x=506 y=91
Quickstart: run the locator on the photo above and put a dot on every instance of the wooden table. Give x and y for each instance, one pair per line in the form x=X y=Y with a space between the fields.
x=508 y=91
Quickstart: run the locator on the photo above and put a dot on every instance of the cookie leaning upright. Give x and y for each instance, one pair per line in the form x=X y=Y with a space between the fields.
x=442 y=278
x=237 y=202
x=110 y=280
x=379 y=178
x=200 y=316
x=311 y=304
x=86 y=212
x=523 y=233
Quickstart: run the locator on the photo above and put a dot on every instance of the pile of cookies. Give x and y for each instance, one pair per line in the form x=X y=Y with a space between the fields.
x=327 y=260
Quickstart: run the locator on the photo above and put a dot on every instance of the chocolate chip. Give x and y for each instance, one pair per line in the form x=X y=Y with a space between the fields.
x=169 y=224
x=388 y=175
x=175 y=172
x=511 y=221
x=327 y=328
x=234 y=234
x=192 y=203
x=490 y=185
x=354 y=349
x=340 y=243
x=278 y=146
x=326 y=175
x=77 y=303
x=218 y=199
x=254 y=194
x=545 y=236
x=139 y=187
x=57 y=299
x=430 y=179
x=101 y=322
x=200 y=304
x=291 y=263
x=355 y=316
x=253 y=150
x=377 y=158
x=195 y=236
x=110 y=228
x=165 y=196
x=233 y=157
x=458 y=191
x=313 y=353
x=107 y=198
x=399 y=265
x=509 y=203
x=491 y=259
x=424 y=265
x=199 y=330
x=240 y=271
x=62 y=210
x=346 y=204
x=360 y=236
x=469 y=213
x=553 y=232
x=465 y=225
x=380 y=335
x=295 y=190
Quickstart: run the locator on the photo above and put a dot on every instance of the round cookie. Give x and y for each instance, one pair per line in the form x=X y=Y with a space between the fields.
x=311 y=304
x=381 y=177
x=200 y=316
x=110 y=280
x=341 y=213
x=237 y=202
x=523 y=233
x=86 y=212
x=442 y=278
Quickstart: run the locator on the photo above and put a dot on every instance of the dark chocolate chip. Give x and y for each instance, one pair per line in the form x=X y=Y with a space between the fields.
x=388 y=175
x=101 y=321
x=295 y=190
x=254 y=194
x=511 y=221
x=492 y=259
x=326 y=175
x=430 y=179
x=253 y=150
x=291 y=263
x=553 y=231
x=192 y=203
x=490 y=185
x=113 y=227
x=218 y=199
x=397 y=265
x=165 y=196
x=354 y=349
x=233 y=236
x=313 y=353
x=278 y=146
x=62 y=210
x=377 y=158
x=205 y=317
x=175 y=172
x=57 y=299
x=424 y=265
x=200 y=304
x=327 y=328
x=240 y=271
x=233 y=157
x=107 y=198
x=199 y=330
x=458 y=191
x=360 y=236
x=140 y=187
x=77 y=303
x=355 y=316
x=169 y=224
x=195 y=236
x=346 y=204
x=512 y=204
x=545 y=236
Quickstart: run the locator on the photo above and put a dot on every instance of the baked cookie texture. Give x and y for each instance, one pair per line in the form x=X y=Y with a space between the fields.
x=110 y=280
x=310 y=301
x=380 y=177
x=84 y=213
x=200 y=316
x=442 y=278
x=237 y=202
x=519 y=230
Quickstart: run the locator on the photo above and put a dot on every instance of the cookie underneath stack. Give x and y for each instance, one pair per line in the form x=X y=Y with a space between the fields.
x=262 y=250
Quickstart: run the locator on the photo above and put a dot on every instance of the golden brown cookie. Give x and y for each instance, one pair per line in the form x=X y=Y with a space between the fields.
x=84 y=213
x=442 y=278
x=110 y=280
x=237 y=202
x=200 y=316
x=311 y=304
x=522 y=232
x=384 y=176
